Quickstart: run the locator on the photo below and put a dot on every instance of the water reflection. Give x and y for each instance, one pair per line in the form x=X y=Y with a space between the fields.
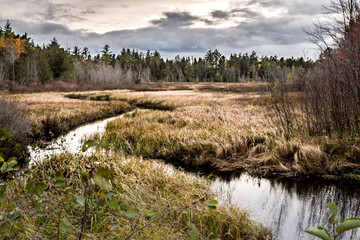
x=71 y=142
x=290 y=205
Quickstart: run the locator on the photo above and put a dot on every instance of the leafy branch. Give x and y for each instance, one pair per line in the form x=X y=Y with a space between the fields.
x=334 y=219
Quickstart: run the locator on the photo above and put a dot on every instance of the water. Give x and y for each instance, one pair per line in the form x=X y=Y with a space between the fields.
x=288 y=205
x=72 y=142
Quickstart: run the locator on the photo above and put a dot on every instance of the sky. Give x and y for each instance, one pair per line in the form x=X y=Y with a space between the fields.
x=173 y=27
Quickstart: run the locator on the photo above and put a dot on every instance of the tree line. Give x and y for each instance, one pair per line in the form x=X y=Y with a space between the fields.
x=22 y=62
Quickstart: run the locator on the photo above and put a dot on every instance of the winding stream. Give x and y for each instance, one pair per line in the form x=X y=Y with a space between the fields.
x=286 y=205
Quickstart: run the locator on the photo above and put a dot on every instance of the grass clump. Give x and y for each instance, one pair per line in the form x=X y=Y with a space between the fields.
x=147 y=103
x=100 y=97
x=76 y=96
x=176 y=137
x=100 y=197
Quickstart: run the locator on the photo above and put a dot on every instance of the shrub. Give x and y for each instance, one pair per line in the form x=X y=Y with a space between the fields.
x=13 y=119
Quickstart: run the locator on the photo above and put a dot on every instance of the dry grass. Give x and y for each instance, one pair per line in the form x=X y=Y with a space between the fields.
x=224 y=132
x=55 y=113
x=145 y=186
x=220 y=130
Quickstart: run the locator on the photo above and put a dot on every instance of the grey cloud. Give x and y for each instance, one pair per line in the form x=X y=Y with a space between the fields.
x=89 y=11
x=220 y=14
x=252 y=35
x=175 y=19
x=65 y=12
x=245 y=12
x=56 y=12
x=172 y=33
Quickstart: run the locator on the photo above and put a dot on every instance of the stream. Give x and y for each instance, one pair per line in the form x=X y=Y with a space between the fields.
x=285 y=205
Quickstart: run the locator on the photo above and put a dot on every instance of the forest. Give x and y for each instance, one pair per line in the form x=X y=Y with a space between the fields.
x=24 y=63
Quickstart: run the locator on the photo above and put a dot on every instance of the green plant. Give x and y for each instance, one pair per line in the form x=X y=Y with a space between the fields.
x=334 y=219
x=6 y=165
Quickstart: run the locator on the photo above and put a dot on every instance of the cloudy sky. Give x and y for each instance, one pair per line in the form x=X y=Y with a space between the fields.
x=184 y=27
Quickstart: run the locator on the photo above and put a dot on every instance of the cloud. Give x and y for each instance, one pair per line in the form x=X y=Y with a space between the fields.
x=175 y=32
x=220 y=14
x=175 y=19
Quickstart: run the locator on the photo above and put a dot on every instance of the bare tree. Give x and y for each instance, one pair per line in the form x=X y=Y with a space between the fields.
x=332 y=90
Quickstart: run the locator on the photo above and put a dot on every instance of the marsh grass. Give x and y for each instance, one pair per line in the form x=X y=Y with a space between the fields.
x=53 y=114
x=226 y=132
x=146 y=187
x=220 y=130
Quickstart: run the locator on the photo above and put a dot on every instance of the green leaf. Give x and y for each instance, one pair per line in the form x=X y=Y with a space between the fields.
x=14 y=216
x=4 y=134
x=66 y=221
x=114 y=203
x=113 y=227
x=192 y=231
x=130 y=213
x=41 y=214
x=210 y=207
x=109 y=195
x=80 y=200
x=334 y=217
x=186 y=211
x=348 y=224
x=100 y=182
x=87 y=145
x=213 y=203
x=319 y=232
x=64 y=224
x=59 y=176
x=60 y=183
x=29 y=187
x=40 y=188
x=11 y=165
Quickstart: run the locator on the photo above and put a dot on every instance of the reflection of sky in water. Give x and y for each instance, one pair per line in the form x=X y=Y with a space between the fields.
x=289 y=206
x=71 y=142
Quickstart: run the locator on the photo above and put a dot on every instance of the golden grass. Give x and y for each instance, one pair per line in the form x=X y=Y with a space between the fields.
x=144 y=186
x=54 y=112
x=224 y=130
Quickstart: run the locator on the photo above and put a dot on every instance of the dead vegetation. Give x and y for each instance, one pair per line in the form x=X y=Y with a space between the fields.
x=219 y=131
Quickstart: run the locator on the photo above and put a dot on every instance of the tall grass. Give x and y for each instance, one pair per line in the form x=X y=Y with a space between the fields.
x=224 y=132
x=153 y=192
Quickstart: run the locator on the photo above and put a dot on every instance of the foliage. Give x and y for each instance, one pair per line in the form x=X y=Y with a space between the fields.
x=338 y=228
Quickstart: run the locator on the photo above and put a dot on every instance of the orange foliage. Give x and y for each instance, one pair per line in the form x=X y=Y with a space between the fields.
x=9 y=43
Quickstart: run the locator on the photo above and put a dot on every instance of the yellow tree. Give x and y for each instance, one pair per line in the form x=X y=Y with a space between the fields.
x=12 y=47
